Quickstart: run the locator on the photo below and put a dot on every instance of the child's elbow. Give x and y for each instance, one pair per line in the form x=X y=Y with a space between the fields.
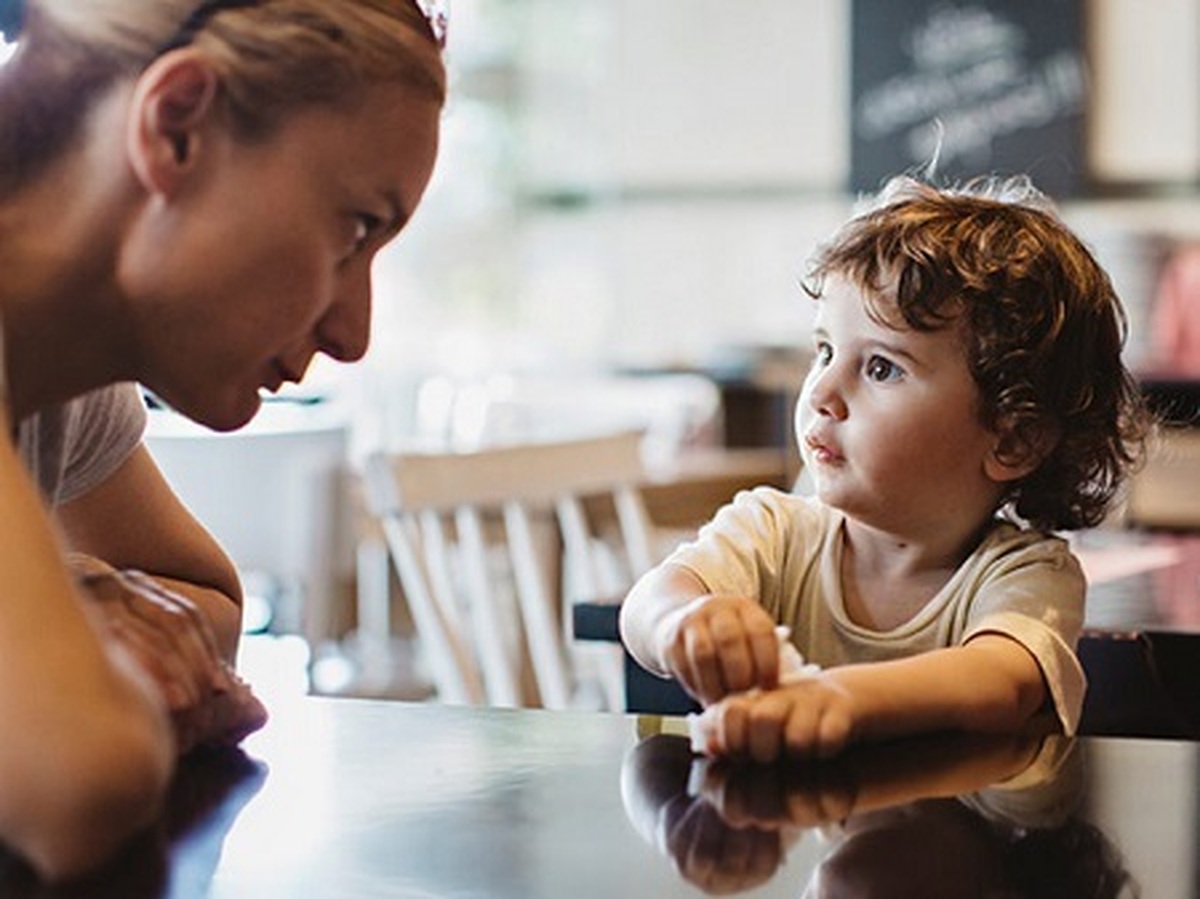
x=102 y=793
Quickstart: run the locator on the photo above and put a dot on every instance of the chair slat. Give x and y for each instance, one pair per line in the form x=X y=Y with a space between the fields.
x=452 y=662
x=538 y=611
x=500 y=675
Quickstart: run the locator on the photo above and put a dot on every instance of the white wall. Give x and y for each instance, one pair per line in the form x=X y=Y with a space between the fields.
x=640 y=183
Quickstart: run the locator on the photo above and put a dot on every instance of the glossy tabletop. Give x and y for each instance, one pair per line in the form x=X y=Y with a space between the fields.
x=349 y=798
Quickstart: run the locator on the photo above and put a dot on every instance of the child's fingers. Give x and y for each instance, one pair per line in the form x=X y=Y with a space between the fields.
x=765 y=728
x=703 y=675
x=733 y=652
x=763 y=646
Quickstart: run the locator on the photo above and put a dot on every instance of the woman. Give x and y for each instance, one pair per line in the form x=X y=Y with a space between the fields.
x=190 y=198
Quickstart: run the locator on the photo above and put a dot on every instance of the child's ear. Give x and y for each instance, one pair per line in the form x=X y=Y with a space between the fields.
x=174 y=98
x=1019 y=450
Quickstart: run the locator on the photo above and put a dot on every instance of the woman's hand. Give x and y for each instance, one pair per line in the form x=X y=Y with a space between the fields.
x=719 y=645
x=173 y=643
x=813 y=717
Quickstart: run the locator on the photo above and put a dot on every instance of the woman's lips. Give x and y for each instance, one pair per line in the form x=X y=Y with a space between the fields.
x=278 y=377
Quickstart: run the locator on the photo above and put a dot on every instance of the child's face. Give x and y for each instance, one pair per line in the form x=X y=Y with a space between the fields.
x=888 y=421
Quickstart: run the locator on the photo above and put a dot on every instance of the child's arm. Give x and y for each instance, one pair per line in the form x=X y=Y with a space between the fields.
x=991 y=684
x=714 y=645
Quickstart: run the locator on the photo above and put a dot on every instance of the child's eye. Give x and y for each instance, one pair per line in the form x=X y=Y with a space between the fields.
x=879 y=368
x=823 y=354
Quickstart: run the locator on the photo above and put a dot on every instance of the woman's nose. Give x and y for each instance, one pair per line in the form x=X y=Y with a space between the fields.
x=345 y=331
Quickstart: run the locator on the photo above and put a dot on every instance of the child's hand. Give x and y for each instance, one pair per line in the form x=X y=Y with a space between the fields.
x=813 y=717
x=718 y=645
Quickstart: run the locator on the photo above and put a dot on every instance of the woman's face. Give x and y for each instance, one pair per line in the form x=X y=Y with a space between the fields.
x=263 y=259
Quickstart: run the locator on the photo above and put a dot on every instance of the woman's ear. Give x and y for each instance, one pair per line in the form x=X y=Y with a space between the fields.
x=172 y=101
x=1019 y=450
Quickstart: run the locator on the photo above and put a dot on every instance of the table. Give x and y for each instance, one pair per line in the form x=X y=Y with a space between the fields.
x=353 y=798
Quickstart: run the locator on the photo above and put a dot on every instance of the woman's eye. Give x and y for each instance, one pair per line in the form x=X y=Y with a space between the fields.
x=365 y=228
x=880 y=369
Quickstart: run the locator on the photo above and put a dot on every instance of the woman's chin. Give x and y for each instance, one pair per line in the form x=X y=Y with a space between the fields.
x=238 y=418
x=237 y=413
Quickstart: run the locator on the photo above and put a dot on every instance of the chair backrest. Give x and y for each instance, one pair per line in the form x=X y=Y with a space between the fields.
x=444 y=513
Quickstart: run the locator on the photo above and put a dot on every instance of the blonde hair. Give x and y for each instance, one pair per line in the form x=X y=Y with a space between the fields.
x=272 y=57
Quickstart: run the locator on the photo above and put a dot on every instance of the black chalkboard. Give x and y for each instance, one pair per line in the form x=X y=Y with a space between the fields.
x=988 y=87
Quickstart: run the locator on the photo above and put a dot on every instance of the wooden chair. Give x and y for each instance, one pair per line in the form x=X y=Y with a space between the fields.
x=444 y=515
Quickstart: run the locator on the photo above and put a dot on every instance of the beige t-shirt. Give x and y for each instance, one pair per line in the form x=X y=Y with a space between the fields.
x=786 y=550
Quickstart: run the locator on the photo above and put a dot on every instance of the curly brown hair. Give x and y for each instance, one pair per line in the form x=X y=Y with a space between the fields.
x=1042 y=326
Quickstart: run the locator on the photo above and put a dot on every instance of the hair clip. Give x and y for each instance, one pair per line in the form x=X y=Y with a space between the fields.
x=198 y=20
x=12 y=16
x=437 y=13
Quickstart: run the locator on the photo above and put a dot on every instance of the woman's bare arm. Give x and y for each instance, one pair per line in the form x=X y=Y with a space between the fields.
x=134 y=521
x=87 y=749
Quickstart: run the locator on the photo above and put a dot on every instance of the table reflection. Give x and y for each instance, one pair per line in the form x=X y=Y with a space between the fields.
x=348 y=799
x=176 y=857
x=949 y=816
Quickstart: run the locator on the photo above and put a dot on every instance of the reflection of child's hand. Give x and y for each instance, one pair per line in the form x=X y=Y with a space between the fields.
x=720 y=859
x=656 y=778
x=813 y=717
x=718 y=645
x=779 y=797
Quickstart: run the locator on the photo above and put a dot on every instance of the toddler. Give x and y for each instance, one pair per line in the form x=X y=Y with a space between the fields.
x=967 y=399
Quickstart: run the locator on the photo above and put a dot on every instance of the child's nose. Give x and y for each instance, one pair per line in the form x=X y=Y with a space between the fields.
x=825 y=394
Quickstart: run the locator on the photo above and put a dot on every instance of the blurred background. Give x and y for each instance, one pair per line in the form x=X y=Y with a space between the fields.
x=635 y=187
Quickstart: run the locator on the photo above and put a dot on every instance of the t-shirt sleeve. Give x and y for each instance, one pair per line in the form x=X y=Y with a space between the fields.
x=1035 y=596
x=102 y=429
x=755 y=547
